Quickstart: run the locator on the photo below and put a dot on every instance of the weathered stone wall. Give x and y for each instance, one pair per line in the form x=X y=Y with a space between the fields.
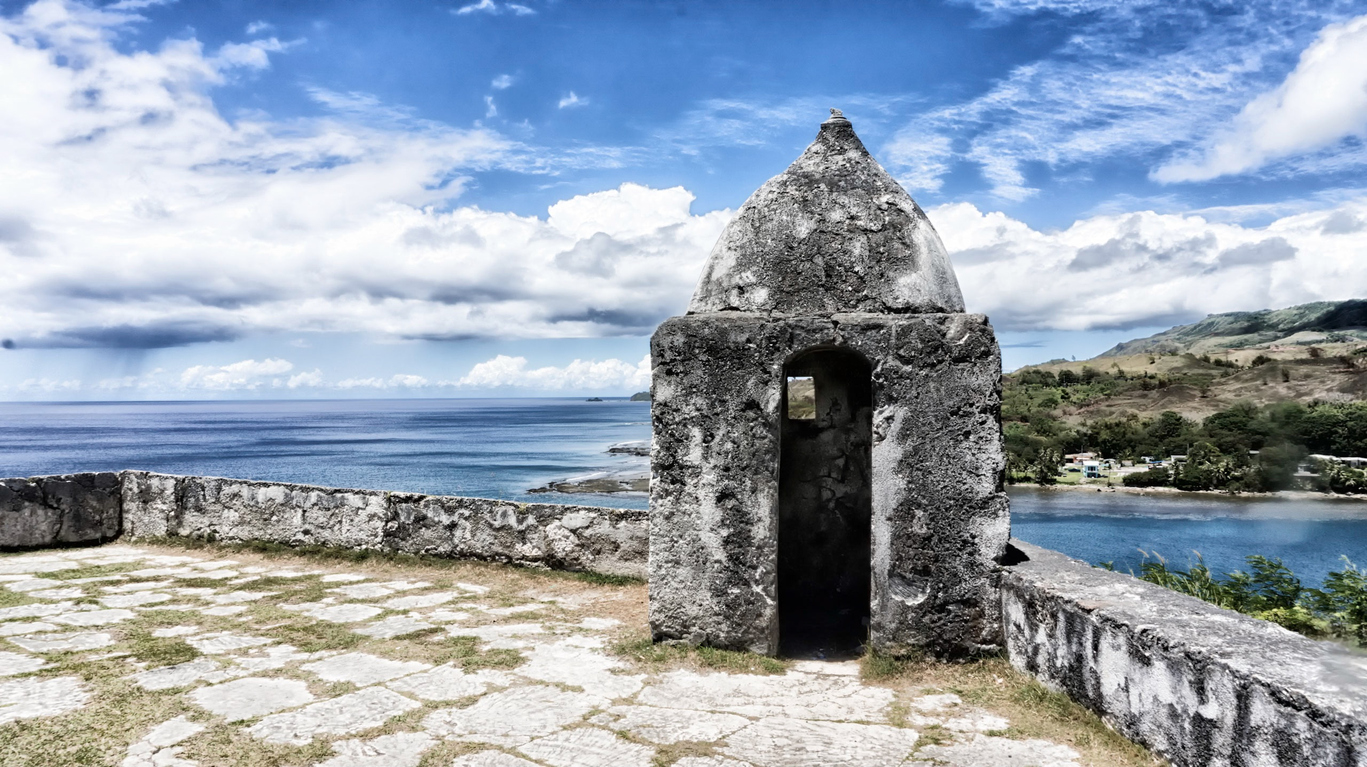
x=612 y=541
x=940 y=518
x=1195 y=683
x=97 y=507
x=56 y=511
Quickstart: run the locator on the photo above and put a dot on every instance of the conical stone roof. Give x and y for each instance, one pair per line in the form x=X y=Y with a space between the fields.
x=833 y=233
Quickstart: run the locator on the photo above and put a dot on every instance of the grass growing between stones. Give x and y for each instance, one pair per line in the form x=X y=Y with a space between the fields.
x=98 y=734
x=91 y=571
x=230 y=744
x=623 y=597
x=159 y=651
x=995 y=686
x=373 y=557
x=14 y=598
x=653 y=658
x=669 y=754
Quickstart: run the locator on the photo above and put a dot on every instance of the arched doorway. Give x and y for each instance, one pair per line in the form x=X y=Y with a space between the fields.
x=825 y=504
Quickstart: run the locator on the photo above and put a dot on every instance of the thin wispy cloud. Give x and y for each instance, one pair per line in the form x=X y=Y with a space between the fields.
x=502 y=82
x=572 y=100
x=492 y=8
x=1322 y=102
x=1108 y=94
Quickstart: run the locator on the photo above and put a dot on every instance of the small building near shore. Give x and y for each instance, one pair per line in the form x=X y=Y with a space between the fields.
x=827 y=469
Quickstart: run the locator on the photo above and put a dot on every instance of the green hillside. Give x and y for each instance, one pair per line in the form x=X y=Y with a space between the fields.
x=1324 y=322
x=1251 y=393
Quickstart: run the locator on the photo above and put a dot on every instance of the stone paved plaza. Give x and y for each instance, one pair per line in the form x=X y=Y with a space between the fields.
x=160 y=657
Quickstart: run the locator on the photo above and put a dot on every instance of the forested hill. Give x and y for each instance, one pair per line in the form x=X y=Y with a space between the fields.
x=1252 y=393
x=1317 y=323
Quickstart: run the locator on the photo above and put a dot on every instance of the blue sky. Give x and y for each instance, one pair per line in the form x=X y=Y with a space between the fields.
x=250 y=199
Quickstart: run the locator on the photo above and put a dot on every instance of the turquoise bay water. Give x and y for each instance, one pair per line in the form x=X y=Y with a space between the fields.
x=502 y=448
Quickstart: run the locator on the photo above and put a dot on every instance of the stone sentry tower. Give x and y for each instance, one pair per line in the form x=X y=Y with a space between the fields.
x=880 y=516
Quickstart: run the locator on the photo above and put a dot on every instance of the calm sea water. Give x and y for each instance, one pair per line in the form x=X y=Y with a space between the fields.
x=503 y=448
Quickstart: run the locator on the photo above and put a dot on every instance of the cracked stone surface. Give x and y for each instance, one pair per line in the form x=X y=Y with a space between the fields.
x=588 y=747
x=449 y=683
x=65 y=593
x=565 y=700
x=34 y=611
x=251 y=697
x=222 y=642
x=351 y=713
x=780 y=742
x=343 y=613
x=404 y=749
x=12 y=663
x=796 y=695
x=665 y=725
x=395 y=626
x=491 y=759
x=19 y=628
x=85 y=640
x=158 y=748
x=94 y=617
x=362 y=669
x=179 y=675
x=500 y=636
x=512 y=717
x=363 y=591
x=577 y=662
x=32 y=697
x=135 y=599
x=418 y=601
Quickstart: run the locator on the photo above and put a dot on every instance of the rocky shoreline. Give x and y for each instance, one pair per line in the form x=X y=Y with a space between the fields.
x=630 y=479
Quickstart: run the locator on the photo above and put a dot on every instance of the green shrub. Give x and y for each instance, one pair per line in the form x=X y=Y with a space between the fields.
x=1273 y=593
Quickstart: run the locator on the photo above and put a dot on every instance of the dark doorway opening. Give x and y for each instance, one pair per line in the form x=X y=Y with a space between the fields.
x=825 y=504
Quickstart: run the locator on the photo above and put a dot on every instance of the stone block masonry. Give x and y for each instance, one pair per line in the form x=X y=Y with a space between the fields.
x=92 y=508
x=1193 y=682
x=939 y=519
x=55 y=511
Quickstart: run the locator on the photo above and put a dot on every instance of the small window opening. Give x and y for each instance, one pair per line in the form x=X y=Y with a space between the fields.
x=801 y=398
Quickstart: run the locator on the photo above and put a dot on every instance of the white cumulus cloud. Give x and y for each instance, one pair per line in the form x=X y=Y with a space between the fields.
x=1322 y=101
x=133 y=214
x=247 y=374
x=580 y=375
x=572 y=100
x=1148 y=268
x=399 y=381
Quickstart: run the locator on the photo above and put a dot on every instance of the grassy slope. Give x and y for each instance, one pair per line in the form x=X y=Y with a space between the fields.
x=1199 y=388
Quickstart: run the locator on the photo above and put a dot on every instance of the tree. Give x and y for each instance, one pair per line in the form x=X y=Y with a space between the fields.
x=1046 y=466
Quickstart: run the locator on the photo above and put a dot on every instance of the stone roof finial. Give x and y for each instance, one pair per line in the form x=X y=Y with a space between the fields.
x=836 y=114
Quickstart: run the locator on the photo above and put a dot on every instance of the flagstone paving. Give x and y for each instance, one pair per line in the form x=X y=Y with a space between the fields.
x=154 y=656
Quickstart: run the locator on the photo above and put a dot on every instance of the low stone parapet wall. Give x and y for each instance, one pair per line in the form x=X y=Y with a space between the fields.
x=91 y=508
x=1193 y=682
x=62 y=510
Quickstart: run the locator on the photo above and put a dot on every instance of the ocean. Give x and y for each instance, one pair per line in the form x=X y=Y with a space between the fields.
x=502 y=448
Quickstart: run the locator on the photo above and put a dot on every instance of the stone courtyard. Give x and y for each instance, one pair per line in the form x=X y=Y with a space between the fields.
x=166 y=657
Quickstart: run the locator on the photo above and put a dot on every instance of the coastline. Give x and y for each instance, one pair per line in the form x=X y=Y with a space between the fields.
x=1285 y=495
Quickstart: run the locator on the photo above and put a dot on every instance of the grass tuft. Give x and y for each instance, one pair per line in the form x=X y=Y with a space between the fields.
x=655 y=656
